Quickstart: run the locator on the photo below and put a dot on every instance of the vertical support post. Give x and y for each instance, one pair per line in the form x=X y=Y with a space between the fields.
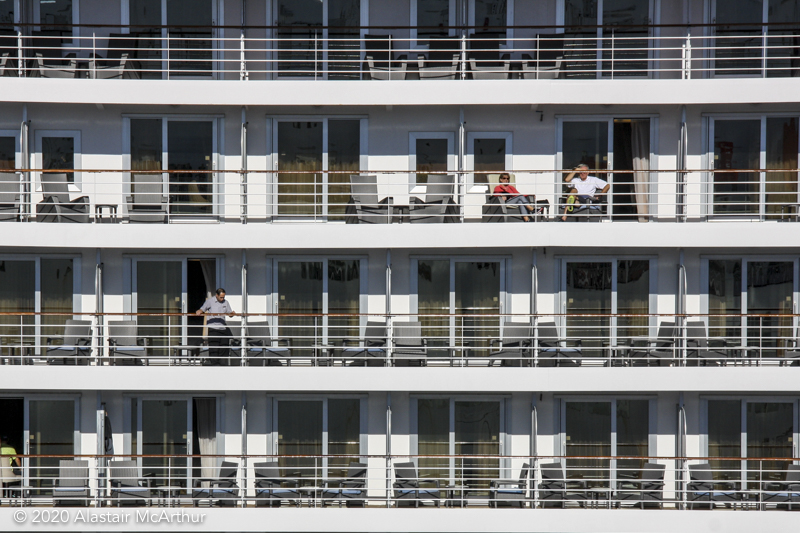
x=243 y=329
x=534 y=309
x=93 y=61
x=462 y=180
x=243 y=75
x=98 y=338
x=20 y=64
x=388 y=449
x=534 y=451
x=243 y=491
x=243 y=173
x=389 y=332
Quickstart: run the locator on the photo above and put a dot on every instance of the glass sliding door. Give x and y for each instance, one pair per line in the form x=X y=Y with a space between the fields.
x=432 y=156
x=51 y=428
x=164 y=432
x=433 y=438
x=344 y=298
x=344 y=434
x=191 y=147
x=724 y=297
x=160 y=289
x=433 y=304
x=56 y=294
x=588 y=292
x=783 y=43
x=737 y=47
x=434 y=18
x=770 y=430
x=18 y=295
x=344 y=155
x=633 y=421
x=725 y=438
x=477 y=305
x=633 y=298
x=489 y=156
x=737 y=158
x=781 y=153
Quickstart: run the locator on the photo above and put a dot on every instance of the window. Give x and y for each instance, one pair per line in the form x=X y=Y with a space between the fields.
x=430 y=152
x=9 y=150
x=436 y=18
x=57 y=17
x=60 y=150
x=488 y=152
x=8 y=12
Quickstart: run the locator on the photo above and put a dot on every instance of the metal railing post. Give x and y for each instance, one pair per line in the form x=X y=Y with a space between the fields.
x=20 y=63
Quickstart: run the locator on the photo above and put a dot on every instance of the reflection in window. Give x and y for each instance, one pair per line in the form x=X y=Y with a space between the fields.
x=433 y=298
x=490 y=157
x=782 y=143
x=433 y=17
x=58 y=153
x=770 y=288
x=769 y=434
x=724 y=297
x=725 y=438
x=344 y=152
x=431 y=157
x=589 y=293
x=17 y=295
x=633 y=430
x=433 y=434
x=737 y=146
x=491 y=15
x=588 y=434
x=56 y=14
x=57 y=277
x=7 y=11
x=633 y=297
x=344 y=434
x=8 y=153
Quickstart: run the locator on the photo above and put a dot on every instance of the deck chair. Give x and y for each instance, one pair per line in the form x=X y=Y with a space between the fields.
x=549 y=56
x=792 y=352
x=48 y=59
x=485 y=60
x=222 y=490
x=496 y=210
x=9 y=196
x=125 y=346
x=552 y=486
x=699 y=349
x=352 y=491
x=147 y=202
x=438 y=205
x=260 y=348
x=553 y=351
x=56 y=205
x=127 y=486
x=513 y=348
x=371 y=350
x=407 y=487
x=648 y=488
x=783 y=492
x=381 y=63
x=410 y=348
x=364 y=207
x=654 y=351
x=442 y=61
x=9 y=52
x=508 y=491
x=72 y=485
x=272 y=489
x=119 y=58
x=702 y=488
x=73 y=347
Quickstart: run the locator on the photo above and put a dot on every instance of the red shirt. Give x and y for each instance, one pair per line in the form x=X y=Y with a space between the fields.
x=506 y=190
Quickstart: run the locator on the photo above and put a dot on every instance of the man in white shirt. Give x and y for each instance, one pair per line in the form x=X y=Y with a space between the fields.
x=584 y=189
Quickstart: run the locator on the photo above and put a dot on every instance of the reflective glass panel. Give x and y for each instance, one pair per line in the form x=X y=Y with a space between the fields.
x=770 y=288
x=491 y=15
x=7 y=11
x=724 y=297
x=58 y=153
x=344 y=291
x=589 y=292
x=344 y=435
x=588 y=434
x=164 y=432
x=433 y=298
x=190 y=147
x=477 y=299
x=300 y=152
x=344 y=48
x=146 y=144
x=344 y=153
x=145 y=17
x=633 y=430
x=433 y=434
x=300 y=34
x=300 y=292
x=17 y=295
x=477 y=433
x=431 y=157
x=433 y=17
x=769 y=434
x=159 y=289
x=625 y=20
x=51 y=431
x=300 y=434
x=585 y=143
x=633 y=298
x=725 y=438
x=782 y=143
x=8 y=153
x=52 y=13
x=490 y=157
x=738 y=45
x=783 y=54
x=190 y=46
x=737 y=146
x=57 y=279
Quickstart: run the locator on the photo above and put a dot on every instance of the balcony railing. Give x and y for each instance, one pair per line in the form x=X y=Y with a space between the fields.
x=478 y=337
x=393 y=481
x=393 y=196
x=389 y=53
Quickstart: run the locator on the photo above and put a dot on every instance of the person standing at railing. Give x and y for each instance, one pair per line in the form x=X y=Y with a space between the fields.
x=219 y=334
x=511 y=196
x=584 y=189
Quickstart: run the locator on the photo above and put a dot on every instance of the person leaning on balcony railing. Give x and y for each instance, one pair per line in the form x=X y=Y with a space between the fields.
x=584 y=189
x=219 y=334
x=511 y=195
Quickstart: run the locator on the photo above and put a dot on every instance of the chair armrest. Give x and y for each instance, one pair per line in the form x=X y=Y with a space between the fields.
x=495 y=342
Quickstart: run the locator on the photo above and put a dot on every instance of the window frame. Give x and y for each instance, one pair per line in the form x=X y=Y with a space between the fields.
x=38 y=156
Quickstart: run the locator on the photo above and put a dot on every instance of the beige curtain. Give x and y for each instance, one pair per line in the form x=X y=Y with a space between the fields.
x=640 y=148
x=206 y=416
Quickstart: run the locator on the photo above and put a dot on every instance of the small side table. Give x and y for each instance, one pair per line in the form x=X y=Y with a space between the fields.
x=100 y=209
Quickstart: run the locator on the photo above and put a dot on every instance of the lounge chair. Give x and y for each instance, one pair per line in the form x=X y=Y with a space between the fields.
x=496 y=210
x=48 y=57
x=371 y=350
x=502 y=491
x=513 y=348
x=56 y=205
x=260 y=348
x=147 y=202
x=699 y=349
x=702 y=488
x=272 y=489
x=9 y=196
x=125 y=346
x=648 y=488
x=352 y=491
x=549 y=56
x=73 y=347
x=552 y=486
x=485 y=60
x=442 y=61
x=792 y=352
x=127 y=486
x=553 y=351
x=409 y=347
x=364 y=207
x=119 y=58
x=438 y=205
x=653 y=351
x=407 y=486
x=72 y=485
x=222 y=490
x=783 y=492
x=381 y=63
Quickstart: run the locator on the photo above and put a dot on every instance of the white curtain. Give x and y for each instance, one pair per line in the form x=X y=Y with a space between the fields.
x=640 y=148
x=206 y=417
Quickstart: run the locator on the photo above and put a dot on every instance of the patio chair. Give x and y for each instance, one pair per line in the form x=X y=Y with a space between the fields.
x=703 y=488
x=72 y=485
x=371 y=350
x=222 y=490
x=262 y=350
x=127 y=486
x=783 y=492
x=513 y=348
x=407 y=486
x=364 y=207
x=48 y=58
x=73 y=347
x=147 y=202
x=792 y=352
x=10 y=481
x=699 y=349
x=438 y=205
x=9 y=53
x=9 y=196
x=352 y=491
x=272 y=489
x=508 y=491
x=125 y=346
x=56 y=205
x=119 y=58
x=496 y=210
x=553 y=351
x=442 y=61
x=549 y=56
x=485 y=60
x=381 y=63
x=648 y=488
x=552 y=486
x=410 y=348
x=653 y=351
